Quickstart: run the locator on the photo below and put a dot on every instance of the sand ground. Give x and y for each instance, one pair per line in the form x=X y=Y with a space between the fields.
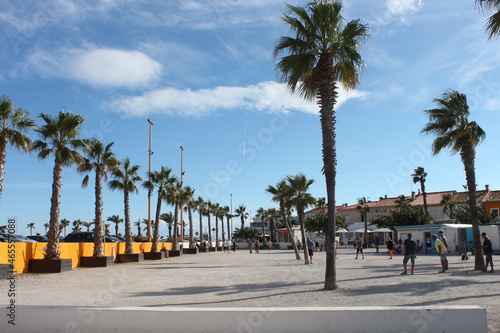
x=271 y=278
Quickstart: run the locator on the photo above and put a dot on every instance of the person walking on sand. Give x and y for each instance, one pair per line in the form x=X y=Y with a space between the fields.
x=310 y=249
x=377 y=243
x=359 y=248
x=390 y=247
x=249 y=242
x=257 y=246
x=409 y=251
x=488 y=252
x=441 y=250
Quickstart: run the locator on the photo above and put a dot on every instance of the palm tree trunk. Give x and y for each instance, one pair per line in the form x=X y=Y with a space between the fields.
x=327 y=95
x=209 y=231
x=242 y=221
x=222 y=226
x=216 y=231
x=156 y=232
x=98 y=237
x=129 y=248
x=3 y=159
x=263 y=229
x=467 y=155
x=176 y=226
x=228 y=228
x=53 y=234
x=424 y=195
x=303 y=233
x=191 y=231
x=365 y=234
x=201 y=226
x=289 y=228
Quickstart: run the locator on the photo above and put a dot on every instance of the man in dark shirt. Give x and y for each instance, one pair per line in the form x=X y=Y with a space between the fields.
x=409 y=251
x=488 y=252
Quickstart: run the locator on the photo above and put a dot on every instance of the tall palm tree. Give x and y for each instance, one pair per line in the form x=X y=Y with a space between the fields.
x=279 y=193
x=189 y=206
x=200 y=206
x=300 y=198
x=493 y=22
x=216 y=212
x=168 y=218
x=229 y=216
x=76 y=225
x=363 y=209
x=173 y=197
x=208 y=212
x=271 y=213
x=321 y=203
x=419 y=177
x=116 y=219
x=159 y=180
x=241 y=212
x=59 y=138
x=64 y=224
x=450 y=124
x=448 y=204
x=31 y=226
x=261 y=213
x=138 y=225
x=100 y=159
x=14 y=123
x=322 y=52
x=87 y=225
x=124 y=179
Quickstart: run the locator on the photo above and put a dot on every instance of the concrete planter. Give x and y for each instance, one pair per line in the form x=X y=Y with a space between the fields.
x=190 y=251
x=174 y=253
x=212 y=249
x=135 y=257
x=166 y=253
x=6 y=271
x=96 y=261
x=49 y=265
x=154 y=255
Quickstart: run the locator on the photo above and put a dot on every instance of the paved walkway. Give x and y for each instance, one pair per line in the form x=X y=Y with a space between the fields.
x=271 y=278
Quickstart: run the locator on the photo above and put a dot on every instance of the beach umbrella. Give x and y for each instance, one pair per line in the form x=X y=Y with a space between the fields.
x=341 y=231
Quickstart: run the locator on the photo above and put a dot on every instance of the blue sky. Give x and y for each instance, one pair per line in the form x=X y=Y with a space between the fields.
x=203 y=72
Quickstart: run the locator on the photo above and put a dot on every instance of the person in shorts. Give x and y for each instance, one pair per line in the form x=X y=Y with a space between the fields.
x=441 y=250
x=359 y=248
x=488 y=252
x=310 y=249
x=409 y=252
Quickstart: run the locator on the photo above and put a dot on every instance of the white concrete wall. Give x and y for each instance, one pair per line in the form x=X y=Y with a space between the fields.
x=174 y=319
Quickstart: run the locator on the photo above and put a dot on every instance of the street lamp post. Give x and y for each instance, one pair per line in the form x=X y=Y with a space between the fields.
x=229 y=232
x=182 y=177
x=150 y=152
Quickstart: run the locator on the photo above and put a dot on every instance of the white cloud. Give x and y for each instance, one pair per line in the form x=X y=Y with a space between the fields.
x=115 y=68
x=402 y=7
x=266 y=96
x=97 y=67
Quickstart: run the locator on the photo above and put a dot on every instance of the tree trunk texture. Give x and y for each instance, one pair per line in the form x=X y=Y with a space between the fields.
x=156 y=231
x=129 y=248
x=98 y=235
x=191 y=231
x=468 y=154
x=327 y=96
x=3 y=159
x=303 y=234
x=55 y=200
